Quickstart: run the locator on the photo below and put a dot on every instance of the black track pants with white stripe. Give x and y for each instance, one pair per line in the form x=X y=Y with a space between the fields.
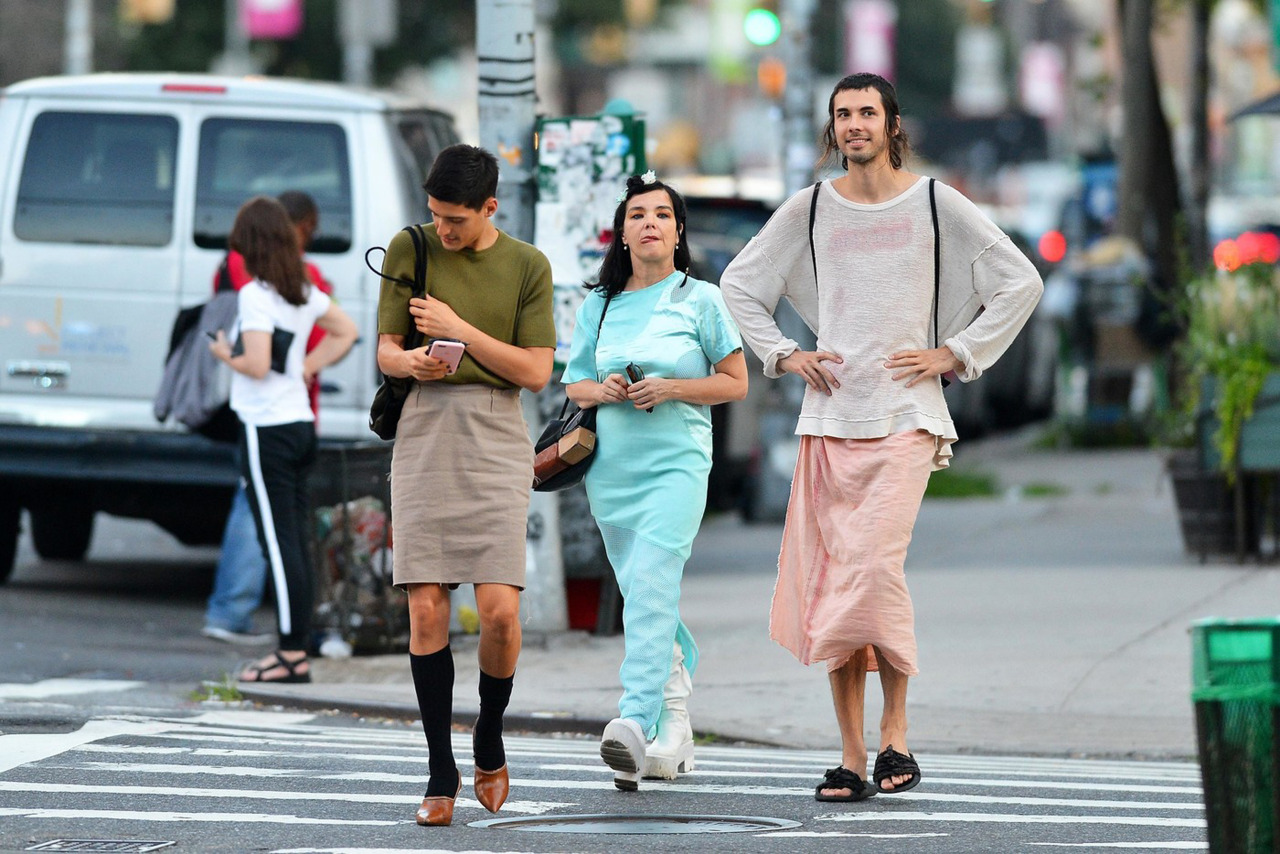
x=275 y=461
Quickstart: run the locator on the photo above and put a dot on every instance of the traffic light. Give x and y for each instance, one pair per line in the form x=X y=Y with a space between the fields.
x=761 y=26
x=771 y=75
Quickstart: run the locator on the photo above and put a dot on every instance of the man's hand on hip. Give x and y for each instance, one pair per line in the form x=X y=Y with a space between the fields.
x=808 y=365
x=917 y=365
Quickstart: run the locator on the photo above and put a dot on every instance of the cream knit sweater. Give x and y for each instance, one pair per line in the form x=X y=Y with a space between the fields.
x=874 y=297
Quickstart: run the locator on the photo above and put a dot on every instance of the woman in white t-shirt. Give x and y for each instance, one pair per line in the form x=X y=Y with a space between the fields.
x=269 y=394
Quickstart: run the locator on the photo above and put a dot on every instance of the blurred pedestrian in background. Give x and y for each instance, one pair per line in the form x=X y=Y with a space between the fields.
x=875 y=262
x=463 y=461
x=277 y=311
x=653 y=348
x=241 y=574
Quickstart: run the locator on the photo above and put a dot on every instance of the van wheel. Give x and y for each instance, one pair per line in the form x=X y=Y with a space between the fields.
x=62 y=533
x=10 y=529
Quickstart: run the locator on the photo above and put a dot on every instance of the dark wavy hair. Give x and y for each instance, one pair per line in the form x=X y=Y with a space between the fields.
x=263 y=233
x=464 y=175
x=615 y=269
x=899 y=145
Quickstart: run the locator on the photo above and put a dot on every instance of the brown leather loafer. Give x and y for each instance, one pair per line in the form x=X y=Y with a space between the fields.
x=492 y=788
x=438 y=811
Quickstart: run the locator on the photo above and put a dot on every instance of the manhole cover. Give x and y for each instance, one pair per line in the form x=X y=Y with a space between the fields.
x=640 y=823
x=123 y=846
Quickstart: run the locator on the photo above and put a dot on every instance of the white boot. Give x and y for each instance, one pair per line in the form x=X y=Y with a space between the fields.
x=622 y=749
x=671 y=751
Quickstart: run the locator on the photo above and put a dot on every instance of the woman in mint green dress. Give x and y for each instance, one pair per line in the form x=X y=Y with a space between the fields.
x=667 y=349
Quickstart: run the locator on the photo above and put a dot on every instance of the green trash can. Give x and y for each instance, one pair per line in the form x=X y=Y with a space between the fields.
x=1236 y=692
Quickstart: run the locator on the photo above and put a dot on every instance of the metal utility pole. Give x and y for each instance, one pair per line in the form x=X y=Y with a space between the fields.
x=507 y=108
x=799 y=133
x=77 y=49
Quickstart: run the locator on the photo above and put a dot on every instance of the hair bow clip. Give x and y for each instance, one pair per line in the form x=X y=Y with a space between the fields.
x=621 y=197
x=649 y=177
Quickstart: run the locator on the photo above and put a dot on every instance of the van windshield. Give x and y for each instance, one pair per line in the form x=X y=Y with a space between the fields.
x=98 y=178
x=242 y=158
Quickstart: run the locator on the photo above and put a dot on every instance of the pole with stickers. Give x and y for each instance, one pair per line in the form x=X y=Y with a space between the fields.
x=583 y=162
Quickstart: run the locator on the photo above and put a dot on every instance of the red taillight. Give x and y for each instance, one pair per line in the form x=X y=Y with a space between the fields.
x=1052 y=246
x=1251 y=247
x=197 y=88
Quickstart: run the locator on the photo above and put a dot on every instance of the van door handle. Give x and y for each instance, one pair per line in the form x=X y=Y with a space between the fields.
x=42 y=374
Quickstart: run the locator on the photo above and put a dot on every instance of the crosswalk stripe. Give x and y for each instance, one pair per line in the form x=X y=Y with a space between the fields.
x=518 y=806
x=704 y=771
x=133 y=815
x=1013 y=818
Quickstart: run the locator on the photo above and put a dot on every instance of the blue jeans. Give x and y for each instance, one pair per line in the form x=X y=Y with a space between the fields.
x=242 y=571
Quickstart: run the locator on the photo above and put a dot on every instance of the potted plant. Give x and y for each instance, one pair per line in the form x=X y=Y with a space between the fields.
x=1230 y=361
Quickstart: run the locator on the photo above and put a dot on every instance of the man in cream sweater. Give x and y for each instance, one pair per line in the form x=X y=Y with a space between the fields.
x=903 y=280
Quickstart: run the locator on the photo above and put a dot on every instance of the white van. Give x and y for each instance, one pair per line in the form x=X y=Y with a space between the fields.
x=117 y=192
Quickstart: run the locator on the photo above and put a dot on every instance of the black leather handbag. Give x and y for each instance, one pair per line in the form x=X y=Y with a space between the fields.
x=566 y=449
x=388 y=400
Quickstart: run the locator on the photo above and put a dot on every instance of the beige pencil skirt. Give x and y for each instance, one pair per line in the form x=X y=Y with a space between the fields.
x=461 y=470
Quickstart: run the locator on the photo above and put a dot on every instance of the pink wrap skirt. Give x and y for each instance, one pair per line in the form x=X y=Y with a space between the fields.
x=841 y=586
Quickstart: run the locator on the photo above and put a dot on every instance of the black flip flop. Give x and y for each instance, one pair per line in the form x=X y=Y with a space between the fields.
x=291 y=671
x=843 y=778
x=891 y=763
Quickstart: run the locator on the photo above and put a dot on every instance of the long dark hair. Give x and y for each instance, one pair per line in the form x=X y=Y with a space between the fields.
x=899 y=145
x=264 y=235
x=615 y=269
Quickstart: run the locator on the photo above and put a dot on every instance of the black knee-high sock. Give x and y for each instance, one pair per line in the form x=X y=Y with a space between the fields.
x=433 y=682
x=495 y=693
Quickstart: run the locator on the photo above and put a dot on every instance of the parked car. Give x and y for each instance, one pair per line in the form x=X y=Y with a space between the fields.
x=117 y=192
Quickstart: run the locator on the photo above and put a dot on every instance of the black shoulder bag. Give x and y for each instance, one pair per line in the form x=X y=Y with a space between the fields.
x=388 y=401
x=937 y=254
x=566 y=448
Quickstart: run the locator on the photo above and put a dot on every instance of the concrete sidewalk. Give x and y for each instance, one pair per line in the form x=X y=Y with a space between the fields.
x=1053 y=625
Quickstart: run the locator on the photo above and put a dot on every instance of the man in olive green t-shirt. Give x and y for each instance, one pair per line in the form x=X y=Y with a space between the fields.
x=462 y=464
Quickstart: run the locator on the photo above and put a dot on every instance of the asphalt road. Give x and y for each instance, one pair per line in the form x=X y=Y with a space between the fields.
x=239 y=780
x=100 y=739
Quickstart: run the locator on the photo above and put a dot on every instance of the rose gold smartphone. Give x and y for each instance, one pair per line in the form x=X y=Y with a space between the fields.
x=449 y=351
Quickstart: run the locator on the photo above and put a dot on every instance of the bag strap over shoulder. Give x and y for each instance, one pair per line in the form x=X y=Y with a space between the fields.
x=813 y=213
x=937 y=258
x=417 y=287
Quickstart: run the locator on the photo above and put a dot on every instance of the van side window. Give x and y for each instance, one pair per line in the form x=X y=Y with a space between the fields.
x=98 y=178
x=242 y=158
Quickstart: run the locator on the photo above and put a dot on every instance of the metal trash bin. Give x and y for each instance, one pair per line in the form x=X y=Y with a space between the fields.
x=351 y=541
x=1236 y=692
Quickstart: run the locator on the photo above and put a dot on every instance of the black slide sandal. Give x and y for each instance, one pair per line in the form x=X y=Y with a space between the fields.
x=843 y=778
x=891 y=763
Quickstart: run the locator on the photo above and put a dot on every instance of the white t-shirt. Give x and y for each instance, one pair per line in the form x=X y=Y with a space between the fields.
x=279 y=397
x=874 y=297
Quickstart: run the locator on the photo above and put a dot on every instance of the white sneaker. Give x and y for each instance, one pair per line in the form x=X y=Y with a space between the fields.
x=622 y=749
x=228 y=636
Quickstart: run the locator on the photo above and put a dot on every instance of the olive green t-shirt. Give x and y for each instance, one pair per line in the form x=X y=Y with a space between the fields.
x=504 y=291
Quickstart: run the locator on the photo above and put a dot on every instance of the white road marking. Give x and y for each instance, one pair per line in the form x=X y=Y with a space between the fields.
x=391 y=851
x=63 y=687
x=948 y=781
x=410 y=802
x=1007 y=818
x=21 y=749
x=824 y=834
x=230 y=817
x=1156 y=846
